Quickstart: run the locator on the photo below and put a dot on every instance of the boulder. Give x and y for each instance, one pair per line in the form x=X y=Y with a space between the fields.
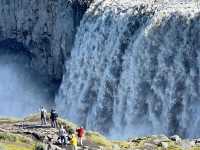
x=197 y=141
x=150 y=146
x=157 y=142
x=2 y=130
x=164 y=145
x=159 y=139
x=85 y=148
x=52 y=147
x=115 y=147
x=186 y=144
x=175 y=138
x=100 y=148
x=193 y=142
x=136 y=140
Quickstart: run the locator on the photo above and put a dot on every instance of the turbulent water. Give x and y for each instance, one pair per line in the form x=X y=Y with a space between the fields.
x=135 y=69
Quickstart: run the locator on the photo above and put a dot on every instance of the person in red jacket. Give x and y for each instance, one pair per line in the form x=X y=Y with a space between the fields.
x=80 y=132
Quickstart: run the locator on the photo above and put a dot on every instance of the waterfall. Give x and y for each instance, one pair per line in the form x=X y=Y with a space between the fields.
x=134 y=69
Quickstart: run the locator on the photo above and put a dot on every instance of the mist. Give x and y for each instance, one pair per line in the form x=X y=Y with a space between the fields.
x=22 y=91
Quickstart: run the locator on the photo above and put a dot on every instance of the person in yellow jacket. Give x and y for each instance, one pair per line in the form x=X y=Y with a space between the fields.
x=74 y=142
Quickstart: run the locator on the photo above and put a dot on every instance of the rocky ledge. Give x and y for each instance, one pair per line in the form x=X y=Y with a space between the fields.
x=28 y=134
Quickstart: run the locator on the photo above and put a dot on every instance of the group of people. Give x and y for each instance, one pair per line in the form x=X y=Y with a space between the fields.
x=66 y=134
x=53 y=117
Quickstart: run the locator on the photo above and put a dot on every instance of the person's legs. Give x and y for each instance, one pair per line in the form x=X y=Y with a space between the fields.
x=74 y=147
x=81 y=141
x=53 y=123
x=42 y=120
x=65 y=140
x=56 y=124
x=62 y=139
x=45 y=121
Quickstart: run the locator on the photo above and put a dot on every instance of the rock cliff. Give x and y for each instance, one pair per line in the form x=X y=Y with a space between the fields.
x=45 y=29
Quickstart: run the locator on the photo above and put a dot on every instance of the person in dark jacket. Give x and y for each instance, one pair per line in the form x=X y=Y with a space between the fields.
x=53 y=117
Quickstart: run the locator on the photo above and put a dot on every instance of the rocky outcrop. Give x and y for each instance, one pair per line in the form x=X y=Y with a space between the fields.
x=45 y=29
x=47 y=136
x=175 y=138
x=30 y=129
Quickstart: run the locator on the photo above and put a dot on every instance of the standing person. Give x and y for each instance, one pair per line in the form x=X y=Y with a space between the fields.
x=80 y=132
x=73 y=142
x=43 y=116
x=53 y=117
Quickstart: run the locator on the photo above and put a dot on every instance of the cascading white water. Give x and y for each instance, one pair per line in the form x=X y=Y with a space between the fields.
x=134 y=69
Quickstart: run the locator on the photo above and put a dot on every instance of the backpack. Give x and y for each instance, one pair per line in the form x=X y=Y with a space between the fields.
x=56 y=115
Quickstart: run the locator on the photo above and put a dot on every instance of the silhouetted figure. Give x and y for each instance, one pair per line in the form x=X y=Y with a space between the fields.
x=53 y=117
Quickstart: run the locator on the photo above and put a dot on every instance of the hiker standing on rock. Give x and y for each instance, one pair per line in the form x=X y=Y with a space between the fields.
x=53 y=117
x=43 y=116
x=80 y=133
